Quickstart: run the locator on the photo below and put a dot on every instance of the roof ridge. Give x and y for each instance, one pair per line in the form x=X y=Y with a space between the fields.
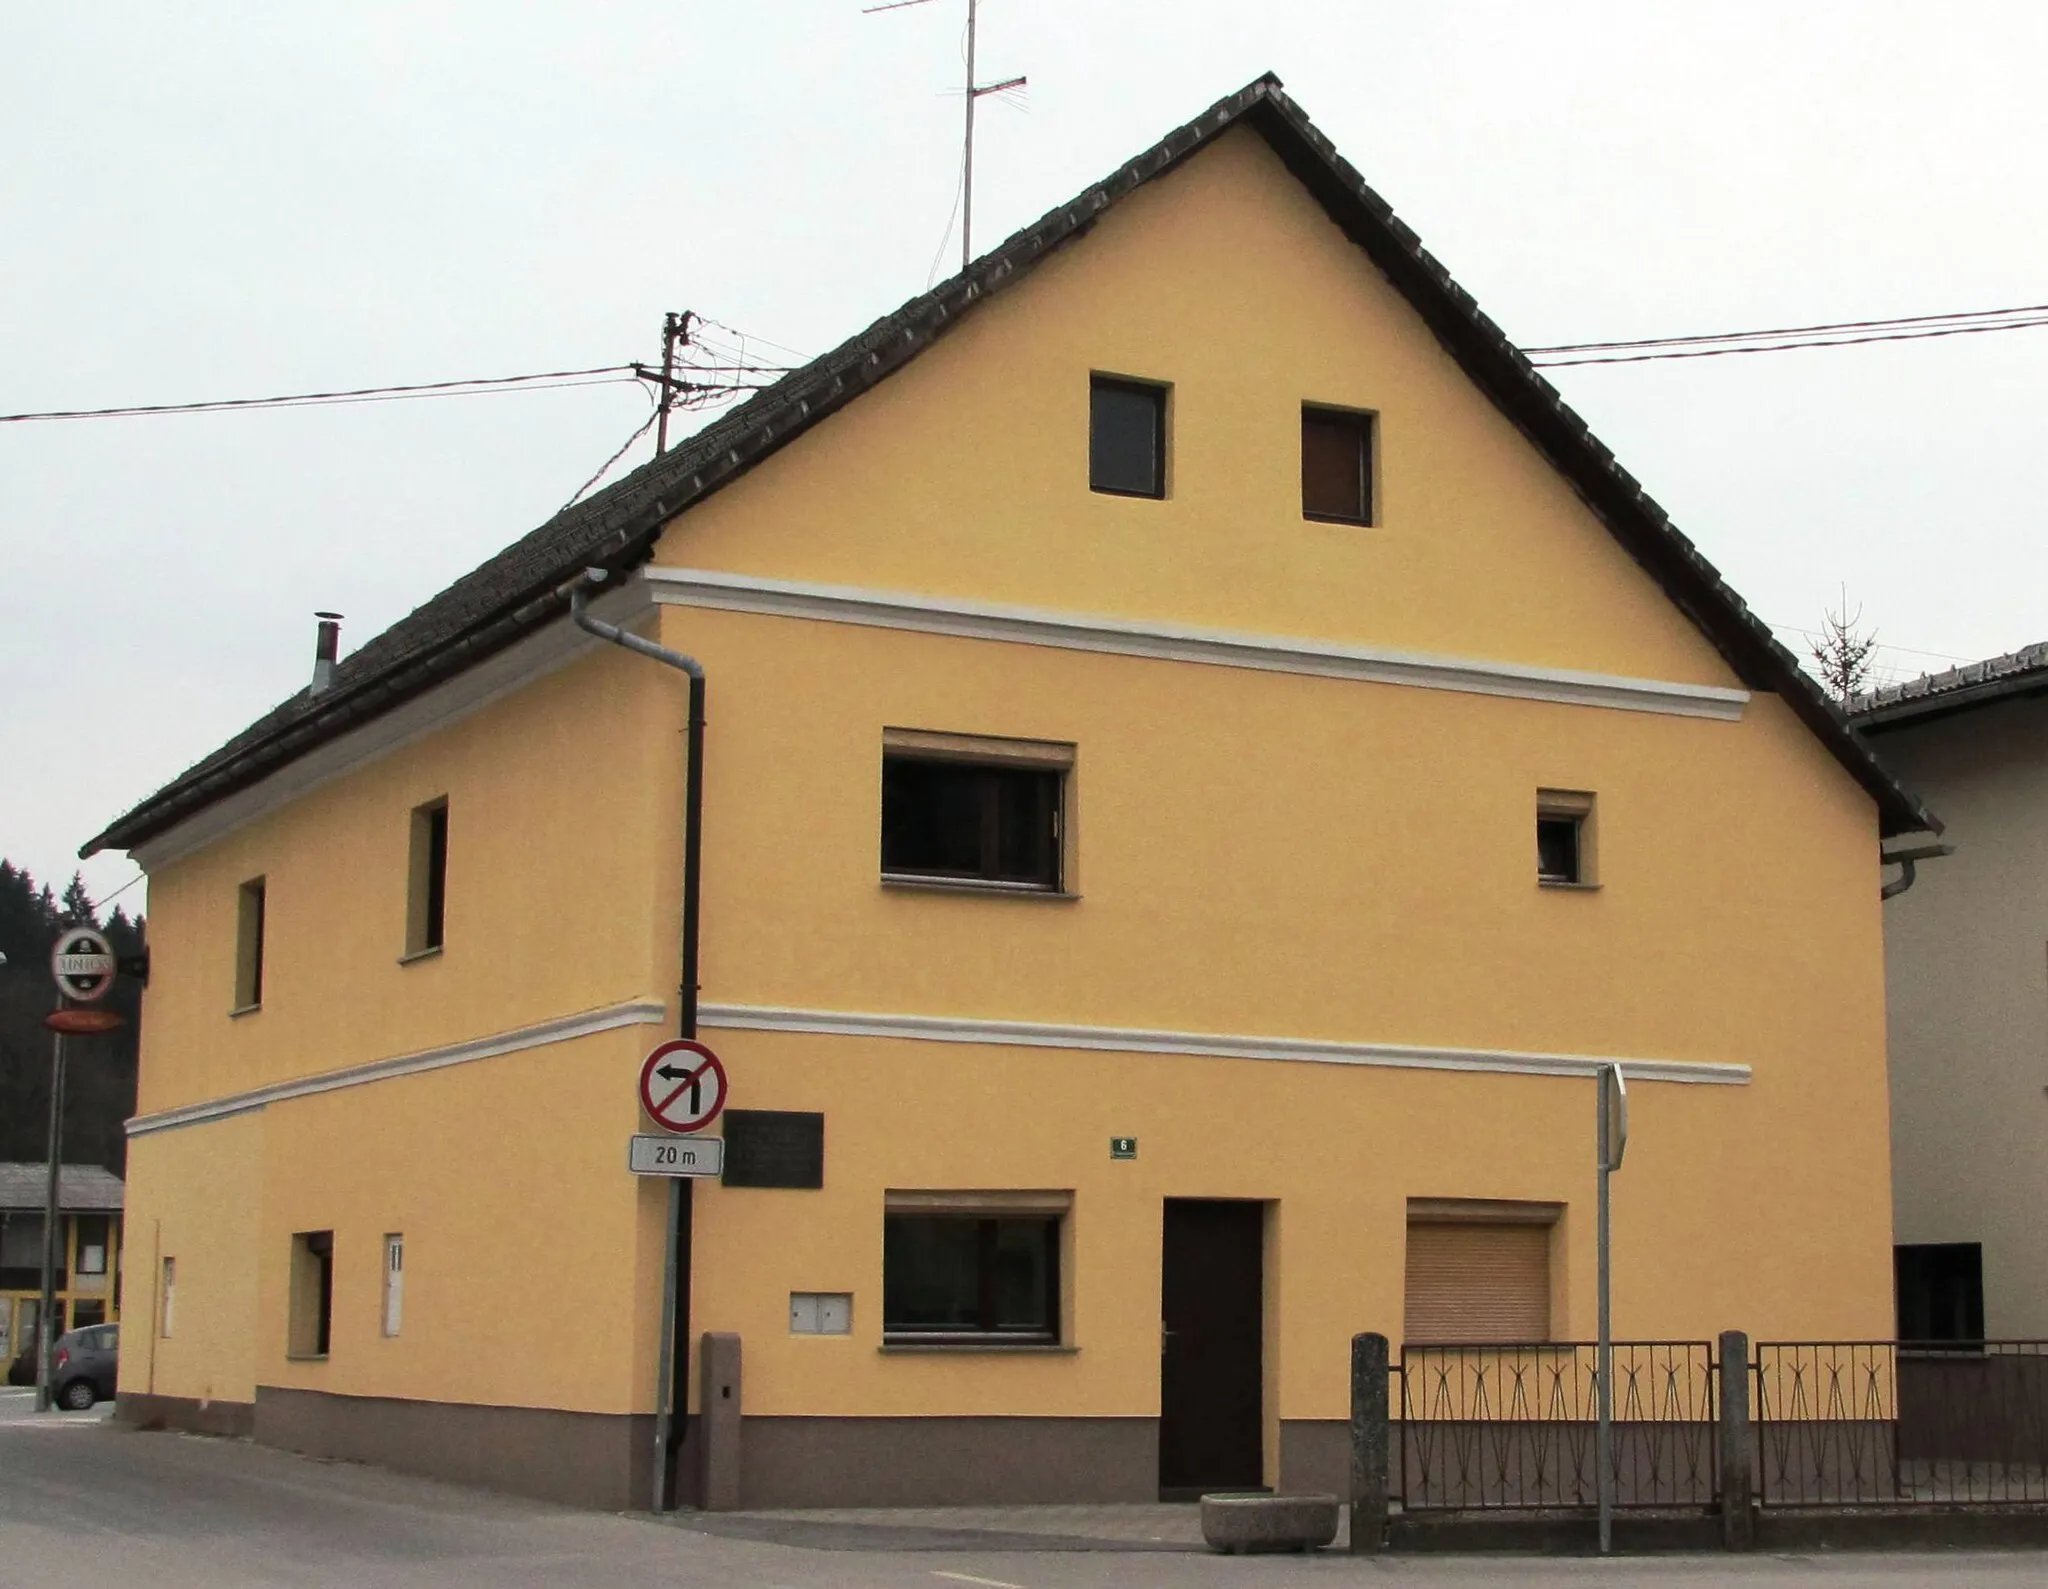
x=517 y=589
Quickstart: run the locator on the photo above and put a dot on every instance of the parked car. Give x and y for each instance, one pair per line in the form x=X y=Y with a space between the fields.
x=85 y=1366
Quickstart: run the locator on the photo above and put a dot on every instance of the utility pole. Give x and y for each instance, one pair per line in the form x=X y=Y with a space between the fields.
x=675 y=333
x=975 y=91
x=46 y=1339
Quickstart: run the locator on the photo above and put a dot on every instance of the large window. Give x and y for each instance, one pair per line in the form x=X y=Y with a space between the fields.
x=1940 y=1292
x=249 y=929
x=981 y=1271
x=1126 y=437
x=977 y=811
x=1336 y=465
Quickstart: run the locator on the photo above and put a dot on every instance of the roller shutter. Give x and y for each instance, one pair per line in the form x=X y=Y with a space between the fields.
x=1478 y=1282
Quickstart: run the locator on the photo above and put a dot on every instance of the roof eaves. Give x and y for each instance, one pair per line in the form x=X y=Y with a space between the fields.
x=632 y=513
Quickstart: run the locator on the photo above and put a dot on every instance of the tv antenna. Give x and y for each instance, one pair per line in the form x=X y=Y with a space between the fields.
x=975 y=91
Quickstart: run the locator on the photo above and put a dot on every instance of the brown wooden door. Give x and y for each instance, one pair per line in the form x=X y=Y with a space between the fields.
x=1212 y=1370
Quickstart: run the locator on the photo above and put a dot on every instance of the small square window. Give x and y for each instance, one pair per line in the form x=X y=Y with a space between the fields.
x=1564 y=838
x=1126 y=438
x=1336 y=465
x=971 y=1278
x=973 y=809
x=1940 y=1291
x=249 y=930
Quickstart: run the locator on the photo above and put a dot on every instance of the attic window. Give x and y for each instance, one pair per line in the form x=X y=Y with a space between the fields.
x=1126 y=437
x=1336 y=465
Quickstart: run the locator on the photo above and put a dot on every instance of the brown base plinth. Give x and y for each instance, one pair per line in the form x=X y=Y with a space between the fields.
x=139 y=1410
x=1315 y=1455
x=947 y=1461
x=597 y=1460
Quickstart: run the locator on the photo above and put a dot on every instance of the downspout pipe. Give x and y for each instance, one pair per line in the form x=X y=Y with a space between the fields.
x=1907 y=862
x=693 y=789
x=675 y=1301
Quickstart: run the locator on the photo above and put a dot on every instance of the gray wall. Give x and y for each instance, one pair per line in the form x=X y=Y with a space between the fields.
x=1966 y=982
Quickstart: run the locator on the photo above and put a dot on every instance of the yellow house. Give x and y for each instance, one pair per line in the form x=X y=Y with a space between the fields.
x=1207 y=757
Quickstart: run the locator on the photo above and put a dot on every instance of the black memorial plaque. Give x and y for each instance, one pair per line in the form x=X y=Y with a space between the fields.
x=774 y=1148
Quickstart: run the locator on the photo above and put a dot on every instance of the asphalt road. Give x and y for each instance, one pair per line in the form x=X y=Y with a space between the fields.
x=85 y=1503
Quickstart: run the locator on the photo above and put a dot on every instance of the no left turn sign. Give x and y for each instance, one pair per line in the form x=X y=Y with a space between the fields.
x=682 y=1086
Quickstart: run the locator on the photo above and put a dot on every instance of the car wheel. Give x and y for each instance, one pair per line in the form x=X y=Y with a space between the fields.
x=76 y=1396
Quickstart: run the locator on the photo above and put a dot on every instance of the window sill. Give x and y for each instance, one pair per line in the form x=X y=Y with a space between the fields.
x=1119 y=491
x=1567 y=888
x=419 y=954
x=890 y=1348
x=972 y=885
x=305 y=1357
x=241 y=1010
x=1338 y=518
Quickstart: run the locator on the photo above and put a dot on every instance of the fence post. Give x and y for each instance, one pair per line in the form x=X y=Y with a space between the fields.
x=1369 y=1443
x=1738 y=1522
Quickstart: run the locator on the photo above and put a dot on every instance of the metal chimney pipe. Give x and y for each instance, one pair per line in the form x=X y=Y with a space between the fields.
x=325 y=649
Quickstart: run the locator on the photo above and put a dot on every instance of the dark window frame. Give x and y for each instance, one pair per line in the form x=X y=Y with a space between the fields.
x=426 y=902
x=1939 y=1278
x=1156 y=393
x=1047 y=785
x=1560 y=823
x=989 y=1330
x=252 y=926
x=1360 y=425
x=310 y=1327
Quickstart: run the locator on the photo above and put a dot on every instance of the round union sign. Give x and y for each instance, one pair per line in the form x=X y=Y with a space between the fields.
x=83 y=964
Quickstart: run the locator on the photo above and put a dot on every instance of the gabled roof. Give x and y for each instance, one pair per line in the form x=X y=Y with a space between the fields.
x=515 y=592
x=2011 y=677
x=81 y=1188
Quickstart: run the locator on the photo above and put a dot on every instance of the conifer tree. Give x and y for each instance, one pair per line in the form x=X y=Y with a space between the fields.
x=1843 y=653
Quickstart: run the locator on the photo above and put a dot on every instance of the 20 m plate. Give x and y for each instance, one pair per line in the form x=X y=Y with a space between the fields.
x=691 y=1156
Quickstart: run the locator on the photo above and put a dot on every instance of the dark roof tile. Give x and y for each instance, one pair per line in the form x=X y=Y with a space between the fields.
x=516 y=591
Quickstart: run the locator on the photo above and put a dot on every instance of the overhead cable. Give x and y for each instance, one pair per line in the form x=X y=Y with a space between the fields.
x=1783 y=339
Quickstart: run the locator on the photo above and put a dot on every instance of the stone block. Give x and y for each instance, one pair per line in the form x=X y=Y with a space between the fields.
x=1237 y=1523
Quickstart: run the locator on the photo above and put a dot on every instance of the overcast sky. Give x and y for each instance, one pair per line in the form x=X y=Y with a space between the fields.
x=219 y=200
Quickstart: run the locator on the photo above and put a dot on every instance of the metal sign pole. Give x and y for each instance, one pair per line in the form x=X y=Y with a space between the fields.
x=1603 y=1459
x=665 y=1375
x=45 y=1339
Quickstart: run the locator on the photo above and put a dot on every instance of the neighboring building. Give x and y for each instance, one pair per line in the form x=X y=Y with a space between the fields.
x=1207 y=758
x=1966 y=955
x=88 y=1251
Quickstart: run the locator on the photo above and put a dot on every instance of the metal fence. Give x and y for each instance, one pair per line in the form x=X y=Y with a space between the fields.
x=1884 y=1423
x=1514 y=1427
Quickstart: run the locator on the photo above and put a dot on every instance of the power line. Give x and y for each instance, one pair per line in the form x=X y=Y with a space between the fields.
x=477 y=386
x=1781 y=339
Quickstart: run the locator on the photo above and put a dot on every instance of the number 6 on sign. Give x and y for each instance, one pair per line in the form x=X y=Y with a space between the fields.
x=682 y=1086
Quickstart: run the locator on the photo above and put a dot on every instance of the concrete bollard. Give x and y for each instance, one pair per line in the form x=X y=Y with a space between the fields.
x=718 y=1421
x=1738 y=1521
x=1370 y=1439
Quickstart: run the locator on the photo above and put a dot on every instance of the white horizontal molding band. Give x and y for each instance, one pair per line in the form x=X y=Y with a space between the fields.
x=1207 y=1045
x=562 y=1029
x=1166 y=642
